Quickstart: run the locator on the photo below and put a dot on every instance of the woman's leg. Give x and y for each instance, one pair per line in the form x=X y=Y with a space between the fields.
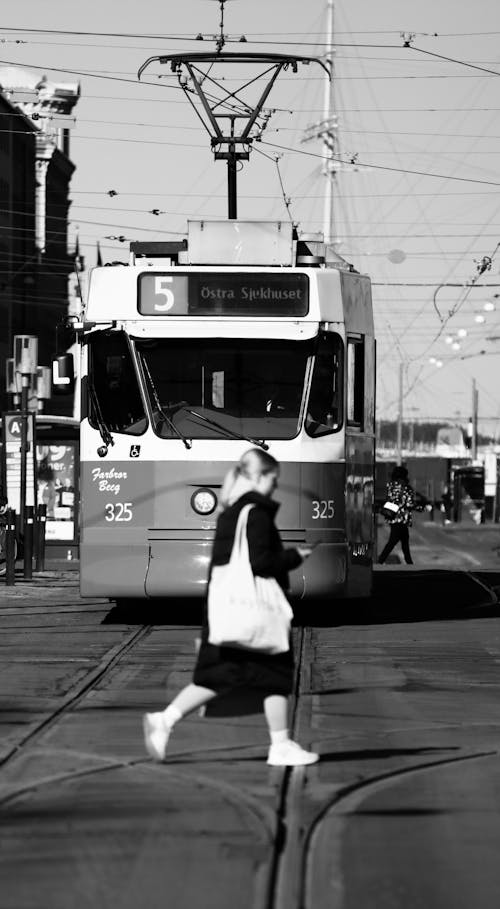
x=389 y=546
x=276 y=713
x=159 y=725
x=405 y=544
x=283 y=752
x=191 y=698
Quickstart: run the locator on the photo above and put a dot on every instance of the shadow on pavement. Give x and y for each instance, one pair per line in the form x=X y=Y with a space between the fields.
x=398 y=596
x=159 y=611
x=370 y=754
x=411 y=596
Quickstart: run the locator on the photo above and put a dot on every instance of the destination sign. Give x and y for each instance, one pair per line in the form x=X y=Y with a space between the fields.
x=213 y=294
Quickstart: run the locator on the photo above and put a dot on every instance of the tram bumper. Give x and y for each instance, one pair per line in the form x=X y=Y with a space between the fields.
x=179 y=568
x=323 y=574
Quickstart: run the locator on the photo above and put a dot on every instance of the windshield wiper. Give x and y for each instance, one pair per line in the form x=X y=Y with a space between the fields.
x=165 y=417
x=229 y=432
x=104 y=432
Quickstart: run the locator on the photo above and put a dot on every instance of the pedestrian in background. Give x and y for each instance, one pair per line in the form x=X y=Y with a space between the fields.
x=400 y=493
x=446 y=505
x=222 y=669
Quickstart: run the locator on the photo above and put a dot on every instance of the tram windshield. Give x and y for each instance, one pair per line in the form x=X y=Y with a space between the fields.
x=115 y=403
x=216 y=388
x=211 y=388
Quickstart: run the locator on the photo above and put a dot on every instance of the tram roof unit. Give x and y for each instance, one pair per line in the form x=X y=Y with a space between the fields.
x=241 y=242
x=231 y=271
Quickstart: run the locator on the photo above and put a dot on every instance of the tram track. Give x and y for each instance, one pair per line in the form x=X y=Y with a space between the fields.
x=270 y=825
x=78 y=691
x=282 y=885
x=320 y=866
x=258 y=814
x=307 y=864
x=303 y=837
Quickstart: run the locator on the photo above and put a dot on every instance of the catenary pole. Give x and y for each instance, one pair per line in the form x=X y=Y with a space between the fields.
x=475 y=398
x=329 y=134
x=400 y=416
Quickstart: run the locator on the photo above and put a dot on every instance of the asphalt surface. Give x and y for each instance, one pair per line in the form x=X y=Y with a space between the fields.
x=400 y=694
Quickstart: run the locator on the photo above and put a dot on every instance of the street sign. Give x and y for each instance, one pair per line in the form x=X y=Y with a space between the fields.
x=11 y=431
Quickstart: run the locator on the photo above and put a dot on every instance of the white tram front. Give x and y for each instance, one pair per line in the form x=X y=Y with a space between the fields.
x=196 y=351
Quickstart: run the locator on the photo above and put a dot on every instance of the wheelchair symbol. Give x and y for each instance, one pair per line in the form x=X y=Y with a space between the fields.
x=135 y=451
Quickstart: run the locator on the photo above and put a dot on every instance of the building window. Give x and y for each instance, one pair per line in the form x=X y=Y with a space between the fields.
x=115 y=397
x=324 y=410
x=355 y=381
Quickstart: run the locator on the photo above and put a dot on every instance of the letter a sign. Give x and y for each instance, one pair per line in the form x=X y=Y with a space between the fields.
x=13 y=428
x=12 y=431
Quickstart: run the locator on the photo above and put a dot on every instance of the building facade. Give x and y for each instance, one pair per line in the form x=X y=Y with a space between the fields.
x=35 y=175
x=17 y=227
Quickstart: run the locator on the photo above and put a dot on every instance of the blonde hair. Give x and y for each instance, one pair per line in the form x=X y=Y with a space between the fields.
x=244 y=476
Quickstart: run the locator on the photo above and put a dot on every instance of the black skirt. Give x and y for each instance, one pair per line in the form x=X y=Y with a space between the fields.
x=224 y=669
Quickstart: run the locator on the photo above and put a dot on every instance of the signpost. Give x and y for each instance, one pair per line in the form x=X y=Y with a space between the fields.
x=29 y=385
x=12 y=424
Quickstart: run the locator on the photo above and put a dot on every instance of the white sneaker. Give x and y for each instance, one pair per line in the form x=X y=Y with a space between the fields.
x=156 y=735
x=290 y=754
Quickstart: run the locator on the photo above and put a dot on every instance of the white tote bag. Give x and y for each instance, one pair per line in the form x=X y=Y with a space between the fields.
x=390 y=509
x=243 y=610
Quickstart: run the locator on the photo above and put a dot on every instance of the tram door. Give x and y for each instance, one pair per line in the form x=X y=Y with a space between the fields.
x=468 y=494
x=360 y=459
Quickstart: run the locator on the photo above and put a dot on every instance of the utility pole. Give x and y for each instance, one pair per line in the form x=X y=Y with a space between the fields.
x=411 y=443
x=326 y=130
x=330 y=126
x=475 y=402
x=400 y=417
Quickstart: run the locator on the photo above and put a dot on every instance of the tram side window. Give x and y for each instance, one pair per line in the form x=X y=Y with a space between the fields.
x=117 y=393
x=324 y=410
x=355 y=381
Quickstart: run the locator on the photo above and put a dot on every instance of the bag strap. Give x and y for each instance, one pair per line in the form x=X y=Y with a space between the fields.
x=240 y=545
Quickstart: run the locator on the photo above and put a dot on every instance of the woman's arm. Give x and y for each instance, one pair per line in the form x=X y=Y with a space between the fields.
x=409 y=498
x=266 y=559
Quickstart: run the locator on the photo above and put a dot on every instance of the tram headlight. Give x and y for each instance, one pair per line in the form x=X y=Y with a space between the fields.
x=204 y=501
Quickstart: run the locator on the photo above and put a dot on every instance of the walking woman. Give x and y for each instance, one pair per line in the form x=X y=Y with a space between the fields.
x=400 y=493
x=221 y=669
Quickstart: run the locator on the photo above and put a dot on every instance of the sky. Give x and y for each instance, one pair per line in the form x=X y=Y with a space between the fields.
x=416 y=191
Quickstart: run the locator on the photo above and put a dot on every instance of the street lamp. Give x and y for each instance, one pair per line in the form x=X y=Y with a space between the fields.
x=25 y=365
x=12 y=381
x=43 y=386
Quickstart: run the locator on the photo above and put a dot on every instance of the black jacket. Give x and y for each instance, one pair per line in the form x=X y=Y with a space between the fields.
x=224 y=669
x=268 y=558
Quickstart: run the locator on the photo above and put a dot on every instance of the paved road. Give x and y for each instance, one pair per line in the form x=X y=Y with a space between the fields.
x=400 y=695
x=434 y=545
x=409 y=724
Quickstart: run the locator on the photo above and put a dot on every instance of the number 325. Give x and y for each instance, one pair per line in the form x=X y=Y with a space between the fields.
x=322 y=509
x=118 y=511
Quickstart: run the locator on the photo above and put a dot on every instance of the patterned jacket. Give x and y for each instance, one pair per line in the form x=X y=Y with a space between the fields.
x=401 y=494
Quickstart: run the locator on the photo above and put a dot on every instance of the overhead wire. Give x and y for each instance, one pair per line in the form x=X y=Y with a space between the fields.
x=401 y=170
x=412 y=322
x=421 y=50
x=358 y=164
x=404 y=180
x=186 y=37
x=92 y=75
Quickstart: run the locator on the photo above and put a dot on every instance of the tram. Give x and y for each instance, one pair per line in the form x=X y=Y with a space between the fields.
x=239 y=335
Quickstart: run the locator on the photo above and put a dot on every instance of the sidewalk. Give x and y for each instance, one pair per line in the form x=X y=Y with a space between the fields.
x=55 y=583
